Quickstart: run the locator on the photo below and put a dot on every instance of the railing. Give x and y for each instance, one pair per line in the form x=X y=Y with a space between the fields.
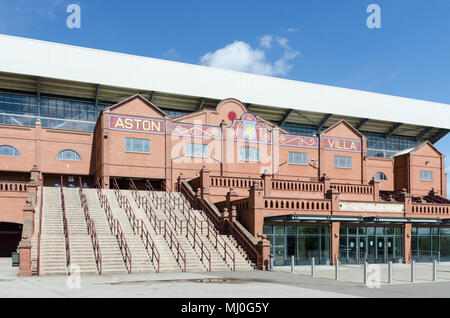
x=158 y=225
x=213 y=217
x=297 y=204
x=234 y=182
x=151 y=192
x=169 y=210
x=149 y=243
x=174 y=242
x=123 y=245
x=138 y=225
x=192 y=231
x=219 y=241
x=38 y=266
x=91 y=229
x=430 y=208
x=9 y=186
x=250 y=249
x=353 y=188
x=297 y=186
x=65 y=226
x=135 y=193
x=115 y=227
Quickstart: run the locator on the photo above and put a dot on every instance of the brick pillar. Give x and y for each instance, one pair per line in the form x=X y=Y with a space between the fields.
x=335 y=228
x=224 y=217
x=25 y=243
x=407 y=242
x=254 y=217
x=231 y=196
x=267 y=181
x=205 y=181
x=168 y=155
x=333 y=195
x=198 y=198
x=180 y=180
x=376 y=189
x=233 y=214
x=264 y=249
x=326 y=183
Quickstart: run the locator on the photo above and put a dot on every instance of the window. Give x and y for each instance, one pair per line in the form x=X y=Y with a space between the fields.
x=380 y=176
x=68 y=155
x=426 y=176
x=9 y=151
x=137 y=145
x=298 y=158
x=342 y=162
x=249 y=154
x=196 y=150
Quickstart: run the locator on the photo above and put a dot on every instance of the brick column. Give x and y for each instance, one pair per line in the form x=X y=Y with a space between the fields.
x=205 y=181
x=376 y=189
x=168 y=155
x=254 y=217
x=267 y=181
x=264 y=249
x=333 y=195
x=326 y=183
x=407 y=242
x=224 y=217
x=231 y=196
x=335 y=228
x=180 y=180
x=25 y=243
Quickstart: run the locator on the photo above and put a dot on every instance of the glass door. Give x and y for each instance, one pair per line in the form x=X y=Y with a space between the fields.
x=390 y=248
x=291 y=247
x=352 y=250
x=362 y=249
x=380 y=250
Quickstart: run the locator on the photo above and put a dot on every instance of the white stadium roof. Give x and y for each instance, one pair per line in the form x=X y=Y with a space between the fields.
x=90 y=73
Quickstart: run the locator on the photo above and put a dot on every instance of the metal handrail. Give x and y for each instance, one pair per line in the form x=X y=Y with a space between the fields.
x=248 y=247
x=135 y=193
x=123 y=245
x=198 y=241
x=91 y=228
x=151 y=192
x=116 y=228
x=149 y=240
x=151 y=215
x=38 y=266
x=174 y=241
x=219 y=240
x=65 y=226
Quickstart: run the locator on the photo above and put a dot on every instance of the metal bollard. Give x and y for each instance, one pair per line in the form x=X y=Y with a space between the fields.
x=313 y=266
x=390 y=277
x=366 y=272
x=434 y=271
x=292 y=264
x=413 y=271
x=336 y=268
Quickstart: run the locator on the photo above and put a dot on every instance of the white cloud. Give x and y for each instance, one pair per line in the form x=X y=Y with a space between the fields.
x=266 y=41
x=292 y=30
x=172 y=53
x=240 y=56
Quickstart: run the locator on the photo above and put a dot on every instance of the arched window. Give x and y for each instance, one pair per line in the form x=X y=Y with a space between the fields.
x=380 y=176
x=68 y=155
x=9 y=151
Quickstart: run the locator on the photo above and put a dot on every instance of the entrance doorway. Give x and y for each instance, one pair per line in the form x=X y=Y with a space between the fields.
x=10 y=235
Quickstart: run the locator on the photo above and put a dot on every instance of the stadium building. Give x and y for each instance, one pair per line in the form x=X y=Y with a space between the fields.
x=121 y=163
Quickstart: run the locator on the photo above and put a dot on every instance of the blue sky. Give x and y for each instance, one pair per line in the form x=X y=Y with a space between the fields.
x=326 y=42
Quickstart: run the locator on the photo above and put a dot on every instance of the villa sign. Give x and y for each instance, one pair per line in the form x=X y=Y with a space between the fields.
x=342 y=144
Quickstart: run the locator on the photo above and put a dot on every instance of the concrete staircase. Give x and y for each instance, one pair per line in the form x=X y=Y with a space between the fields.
x=217 y=254
x=141 y=262
x=168 y=257
x=53 y=250
x=81 y=248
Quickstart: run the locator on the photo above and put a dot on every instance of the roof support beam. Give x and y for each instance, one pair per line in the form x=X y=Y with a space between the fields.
x=97 y=93
x=441 y=133
x=200 y=105
x=324 y=121
x=286 y=117
x=393 y=129
x=362 y=123
x=423 y=133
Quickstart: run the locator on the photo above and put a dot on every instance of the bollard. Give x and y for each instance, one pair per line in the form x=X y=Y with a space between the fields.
x=434 y=271
x=336 y=268
x=413 y=271
x=313 y=265
x=390 y=277
x=366 y=272
x=272 y=262
x=292 y=264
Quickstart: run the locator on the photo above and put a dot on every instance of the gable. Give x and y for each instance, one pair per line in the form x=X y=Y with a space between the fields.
x=136 y=106
x=343 y=130
x=426 y=149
